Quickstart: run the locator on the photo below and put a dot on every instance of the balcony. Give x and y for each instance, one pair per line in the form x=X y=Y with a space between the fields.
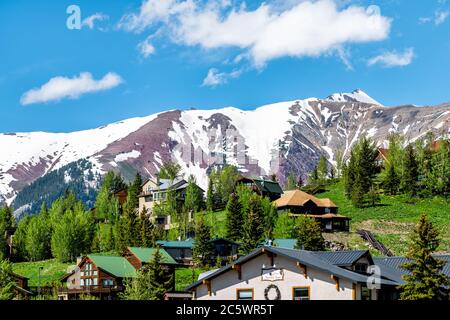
x=90 y=289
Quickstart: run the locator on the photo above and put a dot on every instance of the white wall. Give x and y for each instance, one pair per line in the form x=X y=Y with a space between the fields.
x=322 y=287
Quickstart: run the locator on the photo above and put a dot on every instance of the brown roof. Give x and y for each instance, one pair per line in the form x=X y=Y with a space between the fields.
x=299 y=198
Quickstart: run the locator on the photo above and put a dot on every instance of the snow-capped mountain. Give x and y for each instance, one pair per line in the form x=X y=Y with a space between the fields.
x=276 y=138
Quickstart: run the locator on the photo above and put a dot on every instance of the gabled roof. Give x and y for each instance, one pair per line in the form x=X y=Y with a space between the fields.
x=307 y=258
x=146 y=255
x=299 y=198
x=186 y=244
x=343 y=258
x=116 y=266
x=268 y=186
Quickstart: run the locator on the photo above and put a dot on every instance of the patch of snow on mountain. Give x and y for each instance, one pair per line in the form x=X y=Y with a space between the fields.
x=356 y=95
x=126 y=156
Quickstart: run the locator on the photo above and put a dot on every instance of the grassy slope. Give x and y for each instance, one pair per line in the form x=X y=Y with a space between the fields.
x=392 y=221
x=186 y=276
x=52 y=271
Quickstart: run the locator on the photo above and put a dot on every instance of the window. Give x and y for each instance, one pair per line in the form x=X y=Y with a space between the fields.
x=365 y=294
x=95 y=281
x=301 y=293
x=107 y=283
x=244 y=294
x=361 y=267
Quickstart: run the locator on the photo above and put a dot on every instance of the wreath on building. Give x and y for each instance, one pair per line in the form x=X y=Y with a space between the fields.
x=272 y=287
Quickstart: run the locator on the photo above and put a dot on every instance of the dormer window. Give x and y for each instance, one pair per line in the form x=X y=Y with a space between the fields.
x=361 y=267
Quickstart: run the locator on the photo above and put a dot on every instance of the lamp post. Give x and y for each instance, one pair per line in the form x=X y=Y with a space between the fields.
x=39 y=280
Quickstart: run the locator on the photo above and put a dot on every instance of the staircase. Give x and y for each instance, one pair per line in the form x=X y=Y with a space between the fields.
x=369 y=237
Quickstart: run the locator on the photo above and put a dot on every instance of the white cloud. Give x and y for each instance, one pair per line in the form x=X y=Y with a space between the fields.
x=58 y=88
x=393 y=59
x=91 y=20
x=304 y=28
x=440 y=17
x=215 y=78
x=146 y=48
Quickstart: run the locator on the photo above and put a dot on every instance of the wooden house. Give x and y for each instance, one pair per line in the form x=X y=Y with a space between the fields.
x=261 y=186
x=297 y=203
x=180 y=251
x=101 y=276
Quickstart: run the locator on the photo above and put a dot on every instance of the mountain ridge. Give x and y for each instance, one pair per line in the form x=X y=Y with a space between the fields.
x=275 y=138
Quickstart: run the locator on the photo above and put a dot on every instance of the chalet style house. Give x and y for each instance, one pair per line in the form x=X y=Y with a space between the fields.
x=270 y=273
x=104 y=276
x=297 y=203
x=100 y=276
x=155 y=192
x=263 y=187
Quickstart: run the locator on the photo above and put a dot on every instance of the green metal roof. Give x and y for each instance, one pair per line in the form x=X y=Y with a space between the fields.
x=186 y=244
x=146 y=255
x=117 y=266
x=268 y=185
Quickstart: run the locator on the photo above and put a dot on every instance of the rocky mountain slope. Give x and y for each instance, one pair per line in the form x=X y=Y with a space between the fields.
x=276 y=138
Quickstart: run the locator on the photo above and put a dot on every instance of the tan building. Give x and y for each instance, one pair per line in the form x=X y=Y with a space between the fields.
x=271 y=273
x=155 y=192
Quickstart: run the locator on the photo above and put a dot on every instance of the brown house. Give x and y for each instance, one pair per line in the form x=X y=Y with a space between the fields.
x=100 y=276
x=324 y=211
x=263 y=187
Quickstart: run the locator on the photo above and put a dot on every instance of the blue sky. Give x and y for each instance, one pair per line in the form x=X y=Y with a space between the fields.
x=56 y=79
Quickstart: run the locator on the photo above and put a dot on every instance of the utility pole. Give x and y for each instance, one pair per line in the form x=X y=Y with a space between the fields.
x=39 y=280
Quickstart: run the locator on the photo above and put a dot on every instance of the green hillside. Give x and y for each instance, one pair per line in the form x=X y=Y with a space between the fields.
x=52 y=271
x=392 y=220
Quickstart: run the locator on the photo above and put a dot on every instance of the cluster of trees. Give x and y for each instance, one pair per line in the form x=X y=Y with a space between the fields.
x=63 y=231
x=419 y=169
x=360 y=171
x=220 y=186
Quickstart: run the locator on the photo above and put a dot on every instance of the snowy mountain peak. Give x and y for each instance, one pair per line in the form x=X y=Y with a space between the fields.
x=357 y=95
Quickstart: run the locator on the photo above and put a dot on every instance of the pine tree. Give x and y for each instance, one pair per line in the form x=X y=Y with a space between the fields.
x=391 y=180
x=209 y=196
x=291 y=183
x=425 y=279
x=284 y=227
x=147 y=234
x=322 y=170
x=235 y=219
x=161 y=279
x=357 y=195
x=203 y=249
x=253 y=226
x=373 y=195
x=309 y=235
x=410 y=176
x=109 y=245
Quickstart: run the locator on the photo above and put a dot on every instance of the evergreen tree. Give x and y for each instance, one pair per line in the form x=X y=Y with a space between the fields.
x=209 y=196
x=309 y=235
x=7 y=283
x=161 y=279
x=203 y=249
x=284 y=227
x=410 y=176
x=253 y=226
x=150 y=283
x=193 y=200
x=322 y=170
x=425 y=279
x=440 y=175
x=391 y=180
x=109 y=244
x=291 y=183
x=170 y=171
x=235 y=219
x=373 y=195
x=314 y=176
x=147 y=233
x=357 y=195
